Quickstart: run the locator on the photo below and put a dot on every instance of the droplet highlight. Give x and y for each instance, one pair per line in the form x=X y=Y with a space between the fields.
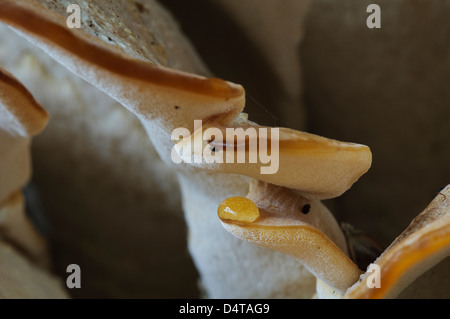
x=239 y=209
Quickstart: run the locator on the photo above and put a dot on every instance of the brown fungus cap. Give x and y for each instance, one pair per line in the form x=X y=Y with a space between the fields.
x=318 y=167
x=20 y=114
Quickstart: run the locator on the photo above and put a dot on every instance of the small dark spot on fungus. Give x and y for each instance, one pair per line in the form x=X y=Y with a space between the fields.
x=306 y=208
x=213 y=149
x=176 y=107
x=439 y=192
x=140 y=7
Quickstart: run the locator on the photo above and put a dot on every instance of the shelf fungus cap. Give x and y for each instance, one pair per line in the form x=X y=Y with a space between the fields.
x=20 y=114
x=317 y=167
x=277 y=218
x=129 y=67
x=423 y=245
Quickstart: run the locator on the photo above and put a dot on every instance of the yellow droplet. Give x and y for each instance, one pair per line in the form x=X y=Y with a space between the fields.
x=238 y=209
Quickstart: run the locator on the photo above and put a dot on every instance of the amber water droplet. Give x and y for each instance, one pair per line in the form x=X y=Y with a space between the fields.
x=238 y=209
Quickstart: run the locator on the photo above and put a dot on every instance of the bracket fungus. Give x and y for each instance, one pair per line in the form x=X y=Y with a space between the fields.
x=280 y=211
